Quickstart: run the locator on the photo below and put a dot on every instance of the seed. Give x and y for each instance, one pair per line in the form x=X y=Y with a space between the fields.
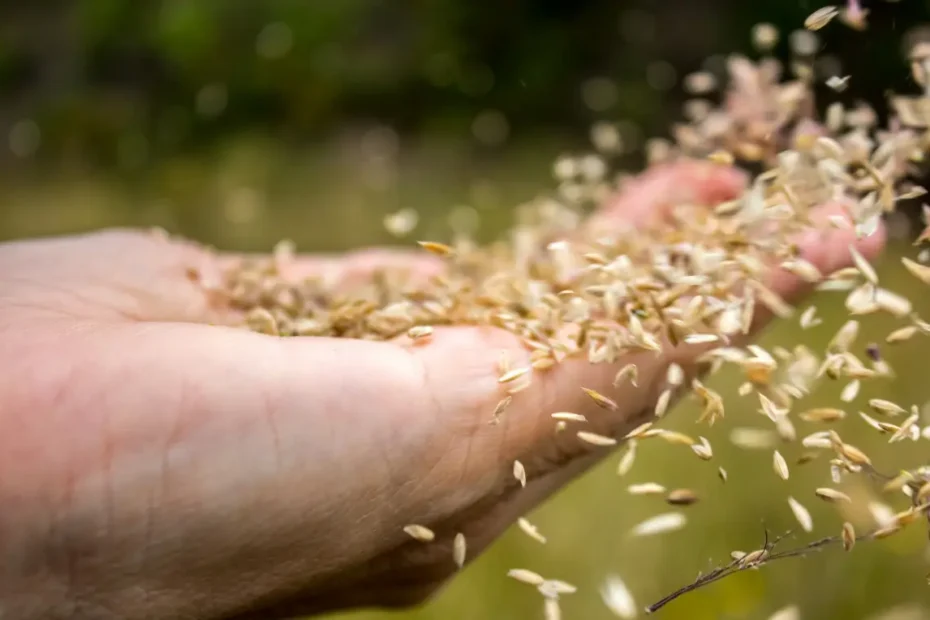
x=780 y=465
x=808 y=318
x=638 y=431
x=791 y=612
x=627 y=460
x=879 y=405
x=674 y=437
x=703 y=449
x=551 y=609
x=821 y=17
x=660 y=524
x=600 y=400
x=419 y=532
x=662 y=403
x=921 y=272
x=596 y=440
x=823 y=414
x=630 y=371
x=901 y=334
x=513 y=375
x=850 y=391
x=838 y=83
x=801 y=514
x=754 y=557
x=440 y=249
x=722 y=474
x=500 y=408
x=459 y=549
x=854 y=454
x=569 y=416
x=618 y=599
x=681 y=497
x=526 y=576
x=419 y=332
x=530 y=530
x=646 y=488
x=752 y=438
x=831 y=495
x=863 y=265
x=519 y=472
x=675 y=375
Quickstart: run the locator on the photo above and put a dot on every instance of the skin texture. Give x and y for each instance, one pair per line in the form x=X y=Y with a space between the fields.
x=160 y=464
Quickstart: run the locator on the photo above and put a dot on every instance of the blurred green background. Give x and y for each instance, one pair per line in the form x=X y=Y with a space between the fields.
x=240 y=122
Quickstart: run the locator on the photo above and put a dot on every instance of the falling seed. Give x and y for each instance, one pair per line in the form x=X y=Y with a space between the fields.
x=790 y=612
x=822 y=414
x=630 y=371
x=901 y=334
x=596 y=440
x=808 y=318
x=780 y=465
x=752 y=438
x=568 y=416
x=850 y=391
x=627 y=460
x=662 y=403
x=921 y=272
x=660 y=524
x=703 y=449
x=646 y=488
x=638 y=431
x=681 y=497
x=600 y=400
x=674 y=437
x=551 y=609
x=880 y=405
x=440 y=249
x=459 y=549
x=419 y=532
x=526 y=576
x=419 y=332
x=866 y=269
x=849 y=536
x=801 y=514
x=838 y=83
x=821 y=17
x=675 y=375
x=552 y=588
x=513 y=375
x=618 y=599
x=722 y=474
x=519 y=472
x=831 y=495
x=530 y=530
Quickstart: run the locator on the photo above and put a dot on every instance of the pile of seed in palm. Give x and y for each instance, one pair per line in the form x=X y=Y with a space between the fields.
x=570 y=288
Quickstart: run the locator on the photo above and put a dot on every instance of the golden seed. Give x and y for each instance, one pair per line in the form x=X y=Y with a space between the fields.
x=459 y=548
x=513 y=375
x=595 y=439
x=780 y=465
x=440 y=249
x=801 y=514
x=822 y=414
x=821 y=17
x=681 y=497
x=530 y=530
x=526 y=576
x=519 y=472
x=831 y=495
x=419 y=533
x=600 y=400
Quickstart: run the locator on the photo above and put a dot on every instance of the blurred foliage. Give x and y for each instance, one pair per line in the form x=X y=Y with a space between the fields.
x=121 y=81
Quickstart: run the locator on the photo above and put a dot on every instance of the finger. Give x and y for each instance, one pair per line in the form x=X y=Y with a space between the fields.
x=649 y=196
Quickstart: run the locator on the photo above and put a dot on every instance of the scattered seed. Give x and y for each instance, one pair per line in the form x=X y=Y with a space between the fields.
x=627 y=460
x=780 y=465
x=526 y=576
x=660 y=524
x=440 y=249
x=823 y=414
x=419 y=332
x=821 y=17
x=646 y=488
x=513 y=375
x=831 y=495
x=600 y=400
x=681 y=497
x=618 y=599
x=801 y=514
x=530 y=530
x=420 y=533
x=519 y=472
x=596 y=440
x=459 y=549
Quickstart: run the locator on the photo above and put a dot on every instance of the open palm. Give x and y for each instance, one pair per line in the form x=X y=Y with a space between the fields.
x=159 y=462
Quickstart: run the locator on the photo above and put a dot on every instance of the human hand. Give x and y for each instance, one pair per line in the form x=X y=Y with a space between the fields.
x=160 y=463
